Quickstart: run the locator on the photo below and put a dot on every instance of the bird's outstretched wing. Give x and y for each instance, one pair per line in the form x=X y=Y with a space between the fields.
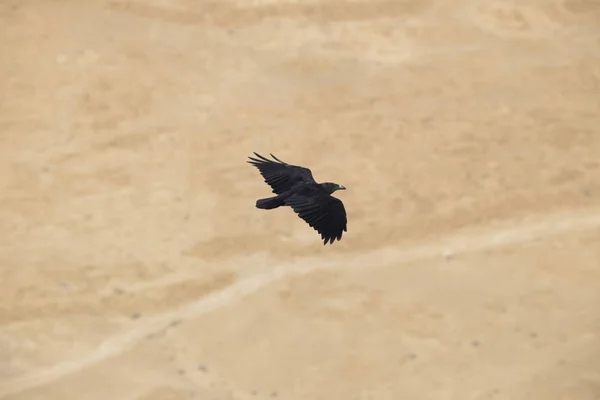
x=325 y=213
x=280 y=175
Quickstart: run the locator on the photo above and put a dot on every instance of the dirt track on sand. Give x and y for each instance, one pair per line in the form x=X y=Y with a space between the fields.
x=135 y=266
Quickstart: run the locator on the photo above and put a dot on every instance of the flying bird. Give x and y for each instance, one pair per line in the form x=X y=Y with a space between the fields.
x=295 y=187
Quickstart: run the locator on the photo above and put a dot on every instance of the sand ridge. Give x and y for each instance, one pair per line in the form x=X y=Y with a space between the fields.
x=473 y=242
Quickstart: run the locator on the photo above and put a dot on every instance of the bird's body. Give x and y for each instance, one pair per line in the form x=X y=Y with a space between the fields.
x=295 y=187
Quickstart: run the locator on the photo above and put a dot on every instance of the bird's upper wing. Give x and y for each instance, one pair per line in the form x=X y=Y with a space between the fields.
x=280 y=175
x=325 y=213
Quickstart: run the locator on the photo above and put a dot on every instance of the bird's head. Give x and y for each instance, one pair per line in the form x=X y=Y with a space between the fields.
x=331 y=187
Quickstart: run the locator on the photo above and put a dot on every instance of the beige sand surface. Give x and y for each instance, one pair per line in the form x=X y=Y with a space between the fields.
x=135 y=267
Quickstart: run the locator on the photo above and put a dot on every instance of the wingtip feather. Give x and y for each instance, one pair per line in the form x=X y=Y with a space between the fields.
x=277 y=158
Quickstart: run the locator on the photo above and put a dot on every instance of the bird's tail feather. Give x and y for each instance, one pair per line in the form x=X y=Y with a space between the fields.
x=269 y=203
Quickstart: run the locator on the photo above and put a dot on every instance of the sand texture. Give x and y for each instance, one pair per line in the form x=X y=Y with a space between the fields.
x=135 y=265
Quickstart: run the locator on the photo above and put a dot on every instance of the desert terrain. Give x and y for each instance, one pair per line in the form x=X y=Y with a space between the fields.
x=135 y=265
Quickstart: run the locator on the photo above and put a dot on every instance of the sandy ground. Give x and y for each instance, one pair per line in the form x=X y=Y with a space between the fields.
x=135 y=266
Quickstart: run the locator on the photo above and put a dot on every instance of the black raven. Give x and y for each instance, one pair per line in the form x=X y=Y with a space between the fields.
x=295 y=187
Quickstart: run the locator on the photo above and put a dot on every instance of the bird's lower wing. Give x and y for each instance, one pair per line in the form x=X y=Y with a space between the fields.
x=326 y=214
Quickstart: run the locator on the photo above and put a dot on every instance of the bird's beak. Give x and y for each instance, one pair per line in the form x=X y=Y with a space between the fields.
x=341 y=187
